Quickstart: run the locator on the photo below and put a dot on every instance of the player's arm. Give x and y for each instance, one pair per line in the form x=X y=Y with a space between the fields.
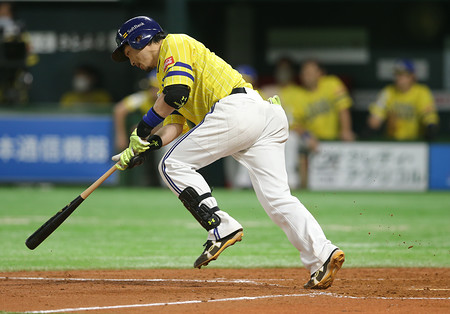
x=429 y=115
x=144 y=137
x=343 y=102
x=169 y=132
x=378 y=111
x=310 y=140
x=120 y=114
x=374 y=122
x=345 y=119
x=174 y=97
x=178 y=80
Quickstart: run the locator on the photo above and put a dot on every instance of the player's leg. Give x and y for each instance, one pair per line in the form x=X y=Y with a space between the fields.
x=236 y=175
x=219 y=135
x=178 y=169
x=292 y=159
x=265 y=161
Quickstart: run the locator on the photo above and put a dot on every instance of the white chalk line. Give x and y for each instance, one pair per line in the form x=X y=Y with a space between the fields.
x=312 y=295
x=217 y=280
x=431 y=289
x=161 y=304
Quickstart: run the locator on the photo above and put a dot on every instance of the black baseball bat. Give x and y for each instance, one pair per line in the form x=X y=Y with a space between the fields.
x=53 y=223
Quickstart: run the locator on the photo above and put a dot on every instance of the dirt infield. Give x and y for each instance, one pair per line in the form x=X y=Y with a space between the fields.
x=374 y=290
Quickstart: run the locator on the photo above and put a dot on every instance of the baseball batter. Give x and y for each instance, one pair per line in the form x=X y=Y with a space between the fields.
x=197 y=85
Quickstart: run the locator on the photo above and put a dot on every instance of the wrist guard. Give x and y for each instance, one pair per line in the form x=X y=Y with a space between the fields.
x=155 y=144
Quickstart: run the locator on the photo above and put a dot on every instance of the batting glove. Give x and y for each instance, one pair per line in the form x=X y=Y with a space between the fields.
x=123 y=158
x=137 y=144
x=275 y=100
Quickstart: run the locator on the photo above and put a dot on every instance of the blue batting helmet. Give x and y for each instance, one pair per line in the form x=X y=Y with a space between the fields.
x=136 y=32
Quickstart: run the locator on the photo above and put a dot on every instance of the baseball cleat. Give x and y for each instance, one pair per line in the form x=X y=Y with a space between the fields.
x=323 y=278
x=214 y=248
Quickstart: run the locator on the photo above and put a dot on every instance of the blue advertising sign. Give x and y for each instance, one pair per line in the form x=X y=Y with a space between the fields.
x=439 y=167
x=55 y=148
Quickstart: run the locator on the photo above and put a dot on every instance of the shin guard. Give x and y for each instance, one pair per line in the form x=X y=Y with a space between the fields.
x=205 y=216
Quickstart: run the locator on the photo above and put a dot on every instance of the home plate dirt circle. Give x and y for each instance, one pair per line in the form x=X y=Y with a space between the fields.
x=214 y=290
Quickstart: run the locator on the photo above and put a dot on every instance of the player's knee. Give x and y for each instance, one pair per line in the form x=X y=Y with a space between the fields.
x=160 y=167
x=169 y=167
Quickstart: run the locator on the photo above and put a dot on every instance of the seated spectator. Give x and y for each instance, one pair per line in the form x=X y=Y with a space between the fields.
x=406 y=108
x=86 y=90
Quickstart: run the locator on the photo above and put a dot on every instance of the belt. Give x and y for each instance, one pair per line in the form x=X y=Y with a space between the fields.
x=238 y=90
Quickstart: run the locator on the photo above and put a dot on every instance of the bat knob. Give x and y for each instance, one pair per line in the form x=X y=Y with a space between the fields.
x=136 y=161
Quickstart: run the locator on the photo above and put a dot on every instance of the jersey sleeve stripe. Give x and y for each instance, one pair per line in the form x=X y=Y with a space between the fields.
x=182 y=73
x=182 y=64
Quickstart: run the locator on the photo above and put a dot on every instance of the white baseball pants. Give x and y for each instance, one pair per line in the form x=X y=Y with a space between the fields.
x=254 y=132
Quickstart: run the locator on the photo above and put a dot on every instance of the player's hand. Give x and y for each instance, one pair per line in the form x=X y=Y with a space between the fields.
x=313 y=145
x=137 y=144
x=123 y=158
x=275 y=100
x=347 y=136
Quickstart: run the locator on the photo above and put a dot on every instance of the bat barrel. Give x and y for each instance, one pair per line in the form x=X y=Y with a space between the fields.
x=47 y=228
x=52 y=224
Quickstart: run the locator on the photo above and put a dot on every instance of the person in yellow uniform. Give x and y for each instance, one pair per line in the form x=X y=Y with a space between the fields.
x=324 y=106
x=322 y=112
x=140 y=101
x=86 y=90
x=407 y=108
x=230 y=118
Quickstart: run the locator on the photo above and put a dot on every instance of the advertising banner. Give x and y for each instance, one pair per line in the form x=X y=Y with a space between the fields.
x=369 y=166
x=440 y=167
x=53 y=148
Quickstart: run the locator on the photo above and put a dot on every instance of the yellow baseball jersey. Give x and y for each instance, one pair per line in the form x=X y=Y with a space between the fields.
x=141 y=101
x=318 y=111
x=184 y=60
x=406 y=113
x=97 y=98
x=290 y=99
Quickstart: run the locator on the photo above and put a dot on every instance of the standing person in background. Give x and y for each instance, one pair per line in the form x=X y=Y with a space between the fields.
x=15 y=58
x=140 y=101
x=406 y=106
x=288 y=89
x=86 y=90
x=323 y=112
x=230 y=119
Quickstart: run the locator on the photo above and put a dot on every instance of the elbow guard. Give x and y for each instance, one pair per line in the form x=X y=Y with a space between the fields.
x=143 y=129
x=176 y=95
